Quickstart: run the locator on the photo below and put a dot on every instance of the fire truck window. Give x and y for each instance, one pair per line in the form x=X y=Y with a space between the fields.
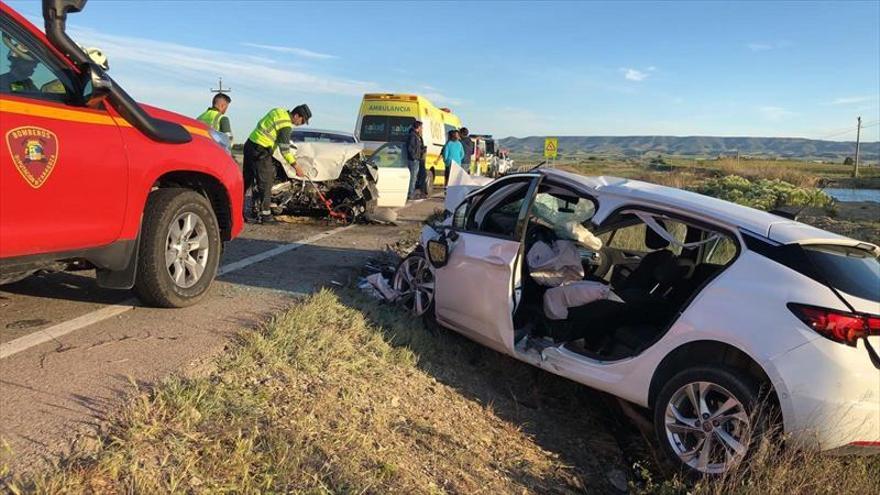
x=24 y=69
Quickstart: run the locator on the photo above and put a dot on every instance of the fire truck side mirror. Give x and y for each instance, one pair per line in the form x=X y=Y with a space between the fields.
x=97 y=86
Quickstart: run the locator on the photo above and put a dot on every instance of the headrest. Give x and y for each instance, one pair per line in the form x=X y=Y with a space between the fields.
x=653 y=239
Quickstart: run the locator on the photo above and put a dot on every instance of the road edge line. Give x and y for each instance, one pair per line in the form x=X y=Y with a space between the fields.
x=106 y=312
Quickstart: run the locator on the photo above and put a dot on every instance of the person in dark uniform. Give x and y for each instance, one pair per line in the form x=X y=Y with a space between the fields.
x=414 y=158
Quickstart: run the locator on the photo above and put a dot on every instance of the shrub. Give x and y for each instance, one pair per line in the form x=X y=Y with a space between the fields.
x=764 y=194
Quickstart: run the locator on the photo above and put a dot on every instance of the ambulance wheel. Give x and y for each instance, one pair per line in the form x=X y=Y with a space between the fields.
x=179 y=249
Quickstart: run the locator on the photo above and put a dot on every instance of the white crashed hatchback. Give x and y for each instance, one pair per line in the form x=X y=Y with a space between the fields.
x=701 y=310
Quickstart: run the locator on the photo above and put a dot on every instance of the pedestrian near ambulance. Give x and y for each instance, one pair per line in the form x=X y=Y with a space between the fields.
x=215 y=116
x=453 y=152
x=272 y=131
x=414 y=147
x=468 y=145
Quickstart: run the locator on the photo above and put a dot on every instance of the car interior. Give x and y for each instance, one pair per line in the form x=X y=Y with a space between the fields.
x=653 y=262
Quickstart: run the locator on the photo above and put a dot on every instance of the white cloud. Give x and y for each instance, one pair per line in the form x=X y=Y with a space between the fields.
x=775 y=113
x=849 y=100
x=300 y=52
x=759 y=47
x=189 y=63
x=634 y=74
x=762 y=46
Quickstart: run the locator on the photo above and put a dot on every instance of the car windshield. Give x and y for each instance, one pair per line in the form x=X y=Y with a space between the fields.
x=849 y=269
x=384 y=128
x=309 y=136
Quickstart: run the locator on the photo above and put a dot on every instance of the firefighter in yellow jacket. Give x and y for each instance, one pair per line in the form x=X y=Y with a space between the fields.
x=272 y=130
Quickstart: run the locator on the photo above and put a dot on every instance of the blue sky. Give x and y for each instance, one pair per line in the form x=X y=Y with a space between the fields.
x=532 y=68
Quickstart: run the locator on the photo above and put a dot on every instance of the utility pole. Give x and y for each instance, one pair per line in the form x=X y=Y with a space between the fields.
x=858 y=135
x=220 y=88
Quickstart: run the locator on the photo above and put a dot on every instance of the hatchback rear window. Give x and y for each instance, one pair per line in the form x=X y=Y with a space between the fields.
x=849 y=269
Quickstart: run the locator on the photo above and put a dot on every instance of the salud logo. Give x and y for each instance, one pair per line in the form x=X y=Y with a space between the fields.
x=34 y=151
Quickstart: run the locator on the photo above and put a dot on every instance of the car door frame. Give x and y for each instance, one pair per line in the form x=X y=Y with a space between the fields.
x=482 y=316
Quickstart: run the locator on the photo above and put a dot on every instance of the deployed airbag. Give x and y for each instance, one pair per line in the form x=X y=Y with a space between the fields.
x=552 y=265
x=557 y=300
x=578 y=233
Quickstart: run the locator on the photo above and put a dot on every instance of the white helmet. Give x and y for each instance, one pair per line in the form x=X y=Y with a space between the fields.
x=97 y=57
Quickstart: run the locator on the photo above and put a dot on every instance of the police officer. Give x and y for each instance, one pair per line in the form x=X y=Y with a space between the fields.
x=272 y=130
x=215 y=116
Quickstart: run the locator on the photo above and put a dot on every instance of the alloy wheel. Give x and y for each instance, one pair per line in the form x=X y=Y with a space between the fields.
x=186 y=249
x=707 y=427
x=414 y=281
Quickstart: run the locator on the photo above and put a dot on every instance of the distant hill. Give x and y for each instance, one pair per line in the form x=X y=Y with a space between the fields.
x=706 y=146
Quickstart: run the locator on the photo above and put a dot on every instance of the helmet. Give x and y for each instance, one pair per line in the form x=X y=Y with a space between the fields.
x=303 y=111
x=17 y=50
x=97 y=57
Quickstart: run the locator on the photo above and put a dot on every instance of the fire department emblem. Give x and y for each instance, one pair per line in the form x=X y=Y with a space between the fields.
x=34 y=152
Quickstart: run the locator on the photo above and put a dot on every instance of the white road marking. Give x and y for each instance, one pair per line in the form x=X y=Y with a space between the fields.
x=54 y=332
x=250 y=260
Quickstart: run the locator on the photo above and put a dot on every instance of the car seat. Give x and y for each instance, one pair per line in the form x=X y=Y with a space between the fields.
x=642 y=280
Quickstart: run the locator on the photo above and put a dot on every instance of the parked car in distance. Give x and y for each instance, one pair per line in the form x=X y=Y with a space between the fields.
x=308 y=135
x=721 y=320
x=92 y=179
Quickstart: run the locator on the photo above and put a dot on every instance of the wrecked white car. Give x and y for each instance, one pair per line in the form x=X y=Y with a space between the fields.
x=340 y=181
x=700 y=310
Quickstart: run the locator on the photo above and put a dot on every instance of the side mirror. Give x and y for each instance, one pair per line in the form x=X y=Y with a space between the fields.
x=97 y=87
x=438 y=253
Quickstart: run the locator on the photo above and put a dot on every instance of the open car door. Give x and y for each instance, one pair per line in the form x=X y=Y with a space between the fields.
x=393 y=182
x=477 y=291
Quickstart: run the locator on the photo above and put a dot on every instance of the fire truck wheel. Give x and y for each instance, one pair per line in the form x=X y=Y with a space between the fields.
x=179 y=248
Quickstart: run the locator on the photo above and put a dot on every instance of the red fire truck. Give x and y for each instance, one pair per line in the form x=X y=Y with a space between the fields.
x=89 y=178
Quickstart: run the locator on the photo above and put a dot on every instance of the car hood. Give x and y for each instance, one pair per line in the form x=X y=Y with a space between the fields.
x=321 y=161
x=159 y=113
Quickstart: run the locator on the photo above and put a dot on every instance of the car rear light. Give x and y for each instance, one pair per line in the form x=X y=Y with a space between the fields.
x=839 y=326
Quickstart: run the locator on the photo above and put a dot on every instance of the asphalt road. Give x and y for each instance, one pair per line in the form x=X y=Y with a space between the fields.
x=71 y=351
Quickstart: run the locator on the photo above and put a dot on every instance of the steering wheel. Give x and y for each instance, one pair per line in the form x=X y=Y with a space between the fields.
x=601 y=263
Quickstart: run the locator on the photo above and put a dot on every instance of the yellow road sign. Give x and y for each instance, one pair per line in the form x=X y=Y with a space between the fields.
x=550 y=147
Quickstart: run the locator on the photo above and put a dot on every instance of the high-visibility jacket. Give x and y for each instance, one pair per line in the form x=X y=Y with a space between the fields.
x=274 y=130
x=211 y=117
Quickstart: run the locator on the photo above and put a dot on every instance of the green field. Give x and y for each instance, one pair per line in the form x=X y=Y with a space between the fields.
x=763 y=184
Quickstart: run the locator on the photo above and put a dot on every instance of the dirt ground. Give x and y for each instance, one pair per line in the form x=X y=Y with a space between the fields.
x=62 y=390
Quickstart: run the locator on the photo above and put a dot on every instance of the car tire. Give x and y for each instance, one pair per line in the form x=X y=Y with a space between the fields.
x=179 y=221
x=683 y=433
x=401 y=284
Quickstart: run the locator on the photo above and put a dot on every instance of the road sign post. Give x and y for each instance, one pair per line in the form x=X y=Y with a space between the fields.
x=551 y=146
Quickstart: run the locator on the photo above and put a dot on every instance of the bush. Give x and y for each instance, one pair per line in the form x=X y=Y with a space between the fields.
x=763 y=194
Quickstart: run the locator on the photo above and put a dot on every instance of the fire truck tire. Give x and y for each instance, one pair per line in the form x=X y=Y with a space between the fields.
x=179 y=248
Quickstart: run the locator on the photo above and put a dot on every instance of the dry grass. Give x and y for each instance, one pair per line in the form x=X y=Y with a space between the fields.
x=323 y=401
x=773 y=470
